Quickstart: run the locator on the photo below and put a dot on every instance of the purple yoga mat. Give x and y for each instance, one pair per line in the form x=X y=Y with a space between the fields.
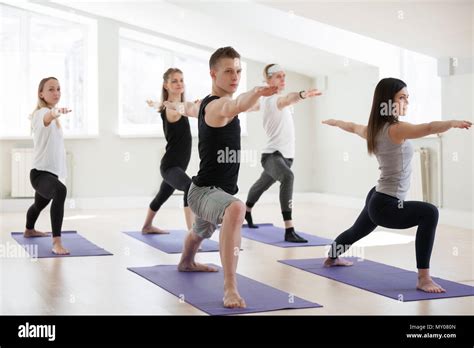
x=204 y=290
x=73 y=241
x=269 y=234
x=171 y=243
x=385 y=280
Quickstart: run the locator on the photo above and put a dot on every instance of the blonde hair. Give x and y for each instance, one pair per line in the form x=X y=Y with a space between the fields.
x=41 y=103
x=164 y=91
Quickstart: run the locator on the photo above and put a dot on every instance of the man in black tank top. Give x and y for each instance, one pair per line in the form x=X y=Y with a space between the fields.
x=210 y=196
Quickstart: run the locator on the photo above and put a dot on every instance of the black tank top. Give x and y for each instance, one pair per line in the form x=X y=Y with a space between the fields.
x=219 y=151
x=178 y=138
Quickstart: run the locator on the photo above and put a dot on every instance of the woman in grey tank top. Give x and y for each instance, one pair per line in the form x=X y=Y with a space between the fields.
x=388 y=138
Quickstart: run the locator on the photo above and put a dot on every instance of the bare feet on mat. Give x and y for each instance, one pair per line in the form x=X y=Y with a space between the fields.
x=232 y=299
x=428 y=285
x=58 y=248
x=195 y=267
x=337 y=262
x=34 y=233
x=153 y=230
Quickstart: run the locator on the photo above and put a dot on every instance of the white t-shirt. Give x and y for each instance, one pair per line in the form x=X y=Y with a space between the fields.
x=279 y=126
x=49 y=153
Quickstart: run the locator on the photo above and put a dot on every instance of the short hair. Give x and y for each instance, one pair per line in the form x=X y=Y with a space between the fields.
x=265 y=71
x=223 y=52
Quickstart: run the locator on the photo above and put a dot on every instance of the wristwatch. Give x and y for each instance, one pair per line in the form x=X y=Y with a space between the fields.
x=301 y=95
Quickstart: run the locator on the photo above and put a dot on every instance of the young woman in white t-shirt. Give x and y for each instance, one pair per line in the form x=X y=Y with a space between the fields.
x=278 y=155
x=49 y=162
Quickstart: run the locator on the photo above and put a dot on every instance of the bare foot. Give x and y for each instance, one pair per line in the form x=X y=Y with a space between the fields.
x=153 y=230
x=428 y=285
x=34 y=233
x=337 y=262
x=195 y=267
x=58 y=249
x=232 y=299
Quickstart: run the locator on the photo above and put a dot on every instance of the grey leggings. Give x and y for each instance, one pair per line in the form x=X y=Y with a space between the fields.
x=275 y=168
x=173 y=178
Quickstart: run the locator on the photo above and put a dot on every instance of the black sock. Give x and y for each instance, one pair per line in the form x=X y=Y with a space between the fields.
x=248 y=217
x=292 y=236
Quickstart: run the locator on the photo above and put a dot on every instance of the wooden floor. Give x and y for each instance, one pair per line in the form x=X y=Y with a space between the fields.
x=102 y=285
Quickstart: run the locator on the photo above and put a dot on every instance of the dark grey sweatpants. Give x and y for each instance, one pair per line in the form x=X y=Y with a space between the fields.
x=275 y=168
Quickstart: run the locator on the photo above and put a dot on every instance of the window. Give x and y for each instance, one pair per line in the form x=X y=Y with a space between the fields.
x=37 y=42
x=143 y=60
x=420 y=73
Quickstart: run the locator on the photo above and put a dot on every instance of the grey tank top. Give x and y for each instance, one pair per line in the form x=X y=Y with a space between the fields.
x=394 y=164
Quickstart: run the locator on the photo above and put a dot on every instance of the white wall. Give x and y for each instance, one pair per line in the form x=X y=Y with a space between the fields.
x=100 y=168
x=348 y=97
x=458 y=152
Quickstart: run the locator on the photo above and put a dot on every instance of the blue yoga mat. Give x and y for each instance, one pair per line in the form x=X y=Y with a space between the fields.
x=73 y=241
x=269 y=234
x=171 y=243
x=204 y=290
x=385 y=280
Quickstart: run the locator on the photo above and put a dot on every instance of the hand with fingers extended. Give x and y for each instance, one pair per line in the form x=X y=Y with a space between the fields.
x=312 y=93
x=461 y=124
x=56 y=112
x=154 y=104
x=266 y=91
x=330 y=122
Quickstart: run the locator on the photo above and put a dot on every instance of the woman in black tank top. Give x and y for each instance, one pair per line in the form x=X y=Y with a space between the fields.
x=178 y=151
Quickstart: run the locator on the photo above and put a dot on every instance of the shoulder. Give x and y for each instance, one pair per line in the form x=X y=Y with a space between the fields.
x=41 y=112
x=395 y=131
x=38 y=115
x=271 y=101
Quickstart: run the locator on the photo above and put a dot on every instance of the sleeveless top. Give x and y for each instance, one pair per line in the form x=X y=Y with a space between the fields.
x=394 y=164
x=219 y=152
x=178 y=146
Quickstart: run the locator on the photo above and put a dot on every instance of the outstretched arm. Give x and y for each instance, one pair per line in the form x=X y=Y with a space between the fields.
x=184 y=108
x=350 y=127
x=295 y=97
x=404 y=130
x=227 y=107
x=255 y=107
x=53 y=114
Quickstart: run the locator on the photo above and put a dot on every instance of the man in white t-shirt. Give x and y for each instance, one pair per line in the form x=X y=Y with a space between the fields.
x=278 y=154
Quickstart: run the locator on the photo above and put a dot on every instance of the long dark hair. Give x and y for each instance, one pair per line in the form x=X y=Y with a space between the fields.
x=384 y=95
x=164 y=91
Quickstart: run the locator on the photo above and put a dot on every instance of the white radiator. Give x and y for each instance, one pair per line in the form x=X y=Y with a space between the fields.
x=21 y=166
x=420 y=185
x=22 y=162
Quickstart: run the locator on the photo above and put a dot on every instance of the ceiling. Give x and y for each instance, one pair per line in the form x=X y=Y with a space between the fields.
x=310 y=37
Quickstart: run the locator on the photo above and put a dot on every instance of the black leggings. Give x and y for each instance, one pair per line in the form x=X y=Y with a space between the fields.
x=173 y=178
x=387 y=211
x=47 y=187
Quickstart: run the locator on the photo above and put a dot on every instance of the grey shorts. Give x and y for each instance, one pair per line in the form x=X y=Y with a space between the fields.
x=208 y=203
